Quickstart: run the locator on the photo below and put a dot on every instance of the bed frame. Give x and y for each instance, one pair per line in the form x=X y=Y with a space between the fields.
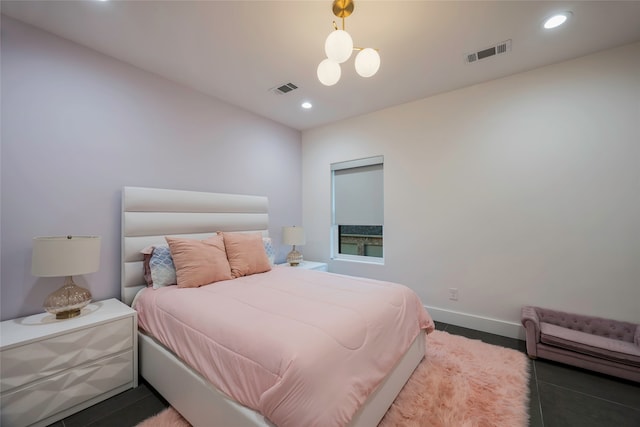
x=150 y=214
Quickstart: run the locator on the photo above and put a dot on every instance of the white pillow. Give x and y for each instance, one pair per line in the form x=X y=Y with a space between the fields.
x=268 y=248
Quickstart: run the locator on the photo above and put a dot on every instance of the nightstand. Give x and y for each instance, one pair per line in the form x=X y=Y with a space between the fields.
x=309 y=265
x=52 y=368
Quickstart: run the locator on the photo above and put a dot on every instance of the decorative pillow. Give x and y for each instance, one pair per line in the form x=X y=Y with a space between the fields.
x=159 y=270
x=147 y=252
x=162 y=270
x=268 y=248
x=246 y=253
x=199 y=262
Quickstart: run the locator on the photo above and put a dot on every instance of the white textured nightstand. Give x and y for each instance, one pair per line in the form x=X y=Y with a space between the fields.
x=309 y=265
x=50 y=369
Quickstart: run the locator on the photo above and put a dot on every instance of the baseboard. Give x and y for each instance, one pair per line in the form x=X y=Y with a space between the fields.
x=480 y=323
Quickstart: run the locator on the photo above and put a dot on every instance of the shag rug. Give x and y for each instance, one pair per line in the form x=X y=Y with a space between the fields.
x=460 y=383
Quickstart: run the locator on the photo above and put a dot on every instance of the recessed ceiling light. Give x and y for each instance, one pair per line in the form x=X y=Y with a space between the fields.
x=556 y=20
x=306 y=105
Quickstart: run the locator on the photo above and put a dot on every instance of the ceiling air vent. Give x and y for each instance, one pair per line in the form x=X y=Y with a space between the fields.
x=285 y=88
x=496 y=49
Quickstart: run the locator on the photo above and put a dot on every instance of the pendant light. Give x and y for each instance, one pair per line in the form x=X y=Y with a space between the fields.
x=339 y=46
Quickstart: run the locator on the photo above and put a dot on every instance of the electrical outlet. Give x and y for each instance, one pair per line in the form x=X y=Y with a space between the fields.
x=453 y=294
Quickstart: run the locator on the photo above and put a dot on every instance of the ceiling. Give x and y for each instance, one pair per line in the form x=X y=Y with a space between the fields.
x=238 y=51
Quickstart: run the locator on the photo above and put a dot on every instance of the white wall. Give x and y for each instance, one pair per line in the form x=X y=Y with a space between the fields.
x=77 y=126
x=522 y=190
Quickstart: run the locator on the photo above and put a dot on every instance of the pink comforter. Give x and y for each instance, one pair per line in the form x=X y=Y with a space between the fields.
x=302 y=347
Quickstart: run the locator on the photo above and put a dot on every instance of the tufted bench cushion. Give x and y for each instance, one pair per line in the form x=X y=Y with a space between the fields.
x=608 y=328
x=587 y=343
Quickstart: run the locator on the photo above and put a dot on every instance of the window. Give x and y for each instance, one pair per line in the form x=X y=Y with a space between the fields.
x=358 y=209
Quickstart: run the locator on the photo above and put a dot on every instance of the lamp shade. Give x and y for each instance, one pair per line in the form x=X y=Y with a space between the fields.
x=293 y=235
x=65 y=255
x=338 y=46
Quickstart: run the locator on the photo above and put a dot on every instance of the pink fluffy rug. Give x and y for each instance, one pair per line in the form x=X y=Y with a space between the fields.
x=460 y=383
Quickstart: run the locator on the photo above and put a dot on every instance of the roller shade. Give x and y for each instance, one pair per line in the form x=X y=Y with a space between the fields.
x=358 y=193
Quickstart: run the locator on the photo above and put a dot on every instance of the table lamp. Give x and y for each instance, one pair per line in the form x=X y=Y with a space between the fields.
x=67 y=256
x=293 y=236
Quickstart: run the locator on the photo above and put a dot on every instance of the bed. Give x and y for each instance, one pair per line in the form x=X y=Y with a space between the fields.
x=148 y=215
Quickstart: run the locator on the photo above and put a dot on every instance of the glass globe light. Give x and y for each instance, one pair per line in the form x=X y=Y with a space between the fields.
x=329 y=72
x=367 y=62
x=338 y=46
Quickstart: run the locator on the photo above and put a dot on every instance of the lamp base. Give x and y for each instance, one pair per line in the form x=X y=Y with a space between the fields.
x=68 y=314
x=294 y=257
x=68 y=301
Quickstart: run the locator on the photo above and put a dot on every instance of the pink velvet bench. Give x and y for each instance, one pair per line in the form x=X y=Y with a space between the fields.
x=603 y=345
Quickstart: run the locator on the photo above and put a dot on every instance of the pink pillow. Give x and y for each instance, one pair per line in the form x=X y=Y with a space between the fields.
x=246 y=254
x=199 y=262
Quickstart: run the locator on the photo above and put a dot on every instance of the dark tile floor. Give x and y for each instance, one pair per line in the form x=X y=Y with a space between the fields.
x=560 y=396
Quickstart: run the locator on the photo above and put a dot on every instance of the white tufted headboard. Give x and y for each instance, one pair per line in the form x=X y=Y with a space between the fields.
x=150 y=214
